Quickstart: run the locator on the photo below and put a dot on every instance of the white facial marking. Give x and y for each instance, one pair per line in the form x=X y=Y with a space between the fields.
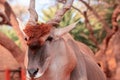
x=38 y=75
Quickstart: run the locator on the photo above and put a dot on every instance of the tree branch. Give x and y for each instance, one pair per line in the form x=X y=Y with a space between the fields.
x=12 y=47
x=89 y=27
x=105 y=26
x=115 y=15
x=4 y=19
x=13 y=22
x=33 y=14
x=59 y=14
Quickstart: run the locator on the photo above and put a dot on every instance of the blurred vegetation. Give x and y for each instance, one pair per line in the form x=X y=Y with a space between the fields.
x=80 y=33
x=104 y=8
x=9 y=31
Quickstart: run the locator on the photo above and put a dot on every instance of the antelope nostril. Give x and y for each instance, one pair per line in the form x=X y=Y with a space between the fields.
x=33 y=72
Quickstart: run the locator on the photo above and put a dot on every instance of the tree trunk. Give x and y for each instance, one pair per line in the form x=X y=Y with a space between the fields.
x=12 y=21
x=12 y=47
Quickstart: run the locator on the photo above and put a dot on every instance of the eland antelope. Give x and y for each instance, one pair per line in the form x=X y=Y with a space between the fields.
x=53 y=54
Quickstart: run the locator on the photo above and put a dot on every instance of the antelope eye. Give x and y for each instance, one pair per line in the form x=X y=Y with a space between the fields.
x=49 y=38
x=25 y=38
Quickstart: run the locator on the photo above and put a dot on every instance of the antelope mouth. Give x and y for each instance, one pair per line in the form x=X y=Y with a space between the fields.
x=38 y=75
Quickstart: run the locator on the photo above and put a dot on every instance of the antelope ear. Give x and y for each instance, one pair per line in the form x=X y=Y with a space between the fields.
x=21 y=26
x=61 y=31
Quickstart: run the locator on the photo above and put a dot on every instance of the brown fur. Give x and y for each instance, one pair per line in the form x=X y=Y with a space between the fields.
x=65 y=59
x=35 y=32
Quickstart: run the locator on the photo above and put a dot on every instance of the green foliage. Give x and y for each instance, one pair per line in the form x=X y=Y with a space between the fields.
x=49 y=13
x=10 y=33
x=108 y=16
x=80 y=32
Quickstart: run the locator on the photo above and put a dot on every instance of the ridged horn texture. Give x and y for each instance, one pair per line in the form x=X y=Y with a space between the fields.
x=33 y=14
x=61 y=31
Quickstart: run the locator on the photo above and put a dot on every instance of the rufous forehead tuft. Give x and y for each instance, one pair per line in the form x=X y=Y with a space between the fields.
x=37 y=31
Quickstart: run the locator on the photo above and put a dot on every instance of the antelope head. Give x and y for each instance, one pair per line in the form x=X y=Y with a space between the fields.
x=39 y=38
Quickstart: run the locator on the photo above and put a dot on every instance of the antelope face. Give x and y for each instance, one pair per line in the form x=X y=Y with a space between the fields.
x=38 y=53
x=39 y=38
